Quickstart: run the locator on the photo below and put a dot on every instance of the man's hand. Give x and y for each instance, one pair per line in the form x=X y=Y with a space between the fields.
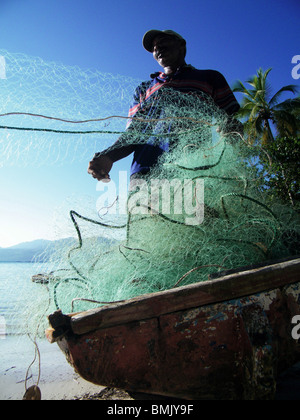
x=100 y=167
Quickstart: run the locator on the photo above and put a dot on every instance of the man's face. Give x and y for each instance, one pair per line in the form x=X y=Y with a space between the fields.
x=167 y=50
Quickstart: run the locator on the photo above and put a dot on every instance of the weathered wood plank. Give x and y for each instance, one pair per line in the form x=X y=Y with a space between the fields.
x=229 y=287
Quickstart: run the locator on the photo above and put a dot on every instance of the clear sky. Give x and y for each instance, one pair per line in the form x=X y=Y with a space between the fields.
x=235 y=37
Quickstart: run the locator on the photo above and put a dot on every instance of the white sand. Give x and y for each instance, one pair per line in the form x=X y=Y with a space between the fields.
x=58 y=380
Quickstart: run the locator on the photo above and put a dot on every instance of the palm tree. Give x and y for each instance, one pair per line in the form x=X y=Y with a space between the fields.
x=264 y=111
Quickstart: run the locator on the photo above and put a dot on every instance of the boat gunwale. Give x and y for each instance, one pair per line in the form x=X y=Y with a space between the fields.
x=228 y=287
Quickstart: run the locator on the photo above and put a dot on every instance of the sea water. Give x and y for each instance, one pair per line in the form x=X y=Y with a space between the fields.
x=17 y=294
x=18 y=298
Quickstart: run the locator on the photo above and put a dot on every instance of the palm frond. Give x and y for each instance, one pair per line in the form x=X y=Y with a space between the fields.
x=289 y=105
x=287 y=124
x=238 y=86
x=289 y=88
x=262 y=115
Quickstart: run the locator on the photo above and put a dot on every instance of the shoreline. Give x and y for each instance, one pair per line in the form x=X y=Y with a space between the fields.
x=58 y=380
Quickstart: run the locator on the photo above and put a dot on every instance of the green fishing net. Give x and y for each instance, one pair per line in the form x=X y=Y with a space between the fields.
x=60 y=114
x=199 y=212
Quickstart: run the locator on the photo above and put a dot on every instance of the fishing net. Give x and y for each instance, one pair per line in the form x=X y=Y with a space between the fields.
x=59 y=114
x=198 y=212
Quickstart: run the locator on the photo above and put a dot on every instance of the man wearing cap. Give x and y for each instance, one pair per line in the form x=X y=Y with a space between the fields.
x=169 y=50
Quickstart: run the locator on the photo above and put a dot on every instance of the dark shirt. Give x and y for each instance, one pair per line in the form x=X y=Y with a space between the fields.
x=186 y=80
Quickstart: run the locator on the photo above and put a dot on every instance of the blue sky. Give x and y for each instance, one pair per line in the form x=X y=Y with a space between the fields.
x=235 y=37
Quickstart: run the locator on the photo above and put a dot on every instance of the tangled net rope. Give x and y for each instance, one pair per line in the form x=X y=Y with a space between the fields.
x=197 y=212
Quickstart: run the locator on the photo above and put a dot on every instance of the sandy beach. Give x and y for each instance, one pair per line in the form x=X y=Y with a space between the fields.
x=58 y=381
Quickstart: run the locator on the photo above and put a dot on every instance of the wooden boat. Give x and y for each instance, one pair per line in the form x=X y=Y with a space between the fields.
x=226 y=338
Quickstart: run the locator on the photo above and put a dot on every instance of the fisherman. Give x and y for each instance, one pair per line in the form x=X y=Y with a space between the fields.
x=169 y=50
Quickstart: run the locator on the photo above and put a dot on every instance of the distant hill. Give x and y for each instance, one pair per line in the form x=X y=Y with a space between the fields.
x=41 y=250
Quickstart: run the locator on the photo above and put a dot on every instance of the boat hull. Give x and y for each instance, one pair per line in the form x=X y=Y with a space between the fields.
x=232 y=349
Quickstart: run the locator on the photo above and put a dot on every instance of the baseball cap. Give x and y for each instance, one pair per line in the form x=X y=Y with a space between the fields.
x=150 y=35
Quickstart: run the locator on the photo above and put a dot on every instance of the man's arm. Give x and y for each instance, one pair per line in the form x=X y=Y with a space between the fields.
x=223 y=95
x=102 y=163
x=225 y=99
